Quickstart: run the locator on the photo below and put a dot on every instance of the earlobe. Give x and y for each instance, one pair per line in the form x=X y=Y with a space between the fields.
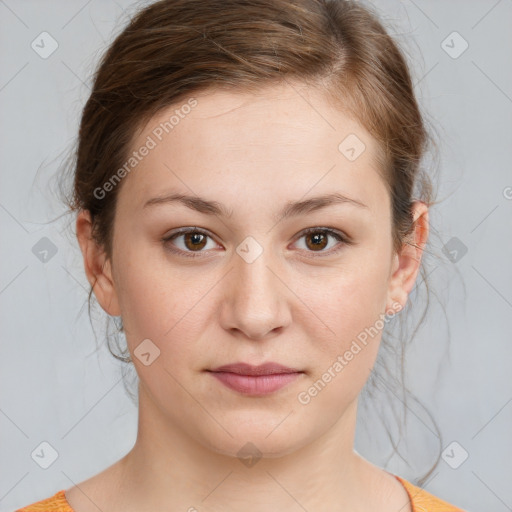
x=97 y=266
x=407 y=264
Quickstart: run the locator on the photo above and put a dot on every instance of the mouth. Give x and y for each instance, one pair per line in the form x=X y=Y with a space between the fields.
x=270 y=368
x=255 y=380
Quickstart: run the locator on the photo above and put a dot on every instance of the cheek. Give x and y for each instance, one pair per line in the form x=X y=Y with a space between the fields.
x=160 y=304
x=356 y=295
x=351 y=311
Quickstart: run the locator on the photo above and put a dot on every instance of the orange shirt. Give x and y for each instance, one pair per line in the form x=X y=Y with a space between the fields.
x=421 y=500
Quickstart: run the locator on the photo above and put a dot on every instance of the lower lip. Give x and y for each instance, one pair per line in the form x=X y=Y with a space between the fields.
x=255 y=384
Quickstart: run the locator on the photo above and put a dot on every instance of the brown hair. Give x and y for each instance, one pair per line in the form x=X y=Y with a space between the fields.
x=172 y=49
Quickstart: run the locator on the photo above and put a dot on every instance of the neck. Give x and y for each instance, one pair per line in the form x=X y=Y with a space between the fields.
x=166 y=466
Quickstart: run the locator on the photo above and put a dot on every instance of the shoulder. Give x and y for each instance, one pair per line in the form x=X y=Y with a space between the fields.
x=423 y=501
x=55 y=503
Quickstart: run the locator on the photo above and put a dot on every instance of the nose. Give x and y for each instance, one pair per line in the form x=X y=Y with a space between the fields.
x=255 y=302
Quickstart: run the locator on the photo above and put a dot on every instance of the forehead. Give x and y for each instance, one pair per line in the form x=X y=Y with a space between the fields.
x=285 y=139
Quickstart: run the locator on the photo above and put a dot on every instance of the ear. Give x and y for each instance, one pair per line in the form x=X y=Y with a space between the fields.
x=97 y=265
x=406 y=264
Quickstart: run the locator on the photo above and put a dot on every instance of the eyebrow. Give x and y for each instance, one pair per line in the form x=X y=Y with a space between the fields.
x=291 y=209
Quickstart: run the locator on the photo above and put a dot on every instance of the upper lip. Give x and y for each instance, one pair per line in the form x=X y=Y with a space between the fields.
x=262 y=369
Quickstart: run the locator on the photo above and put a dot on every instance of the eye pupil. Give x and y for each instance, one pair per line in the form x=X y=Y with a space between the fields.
x=196 y=239
x=318 y=237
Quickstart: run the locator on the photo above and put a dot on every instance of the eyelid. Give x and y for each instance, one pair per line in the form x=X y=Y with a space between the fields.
x=342 y=238
x=183 y=231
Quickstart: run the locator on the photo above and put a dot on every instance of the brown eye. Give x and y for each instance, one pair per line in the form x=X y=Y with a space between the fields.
x=317 y=239
x=188 y=241
x=194 y=240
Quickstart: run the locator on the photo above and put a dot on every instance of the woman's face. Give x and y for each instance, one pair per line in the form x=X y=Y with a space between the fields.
x=249 y=285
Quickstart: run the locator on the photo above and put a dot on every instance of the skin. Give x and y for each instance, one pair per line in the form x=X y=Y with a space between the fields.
x=295 y=304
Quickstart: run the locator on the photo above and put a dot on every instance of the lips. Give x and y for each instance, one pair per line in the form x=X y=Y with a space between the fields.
x=255 y=380
x=262 y=369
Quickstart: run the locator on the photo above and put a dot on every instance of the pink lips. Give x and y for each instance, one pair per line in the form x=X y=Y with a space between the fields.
x=255 y=380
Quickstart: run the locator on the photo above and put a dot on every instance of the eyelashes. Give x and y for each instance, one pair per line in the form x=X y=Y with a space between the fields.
x=325 y=233
x=188 y=233
x=197 y=238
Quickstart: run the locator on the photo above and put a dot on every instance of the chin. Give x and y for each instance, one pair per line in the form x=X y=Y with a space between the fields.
x=258 y=438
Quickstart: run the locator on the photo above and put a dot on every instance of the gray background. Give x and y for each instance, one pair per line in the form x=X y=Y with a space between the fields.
x=56 y=389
